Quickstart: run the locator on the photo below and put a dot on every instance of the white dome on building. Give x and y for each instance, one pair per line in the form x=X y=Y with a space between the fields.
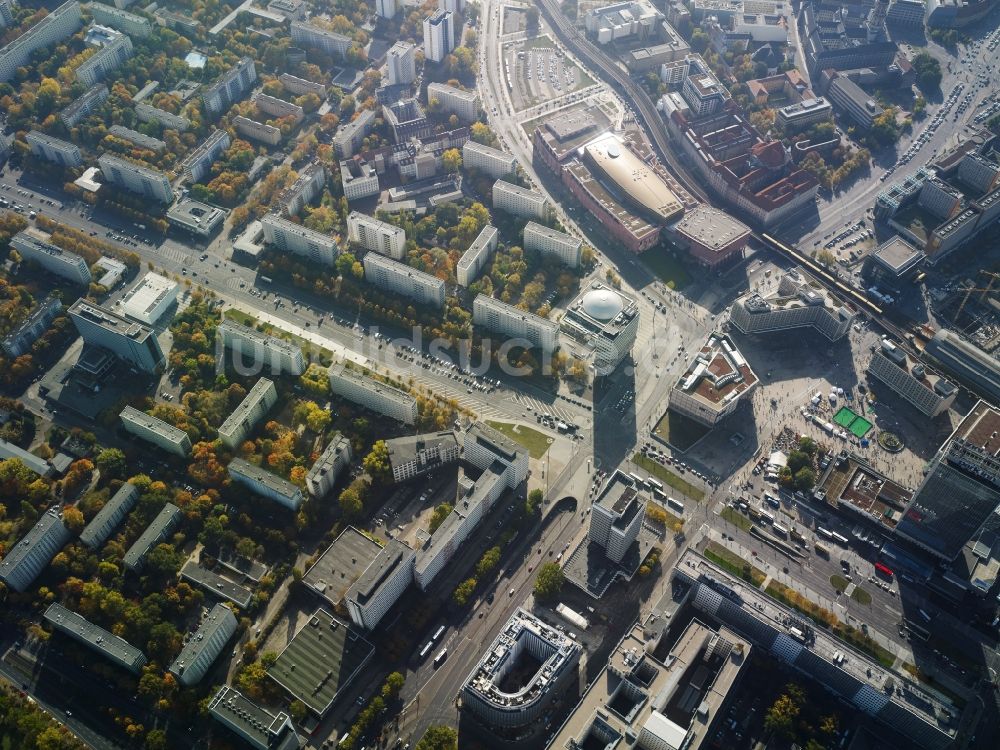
x=602 y=304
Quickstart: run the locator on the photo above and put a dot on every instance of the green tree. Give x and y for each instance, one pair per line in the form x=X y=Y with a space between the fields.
x=376 y=463
x=549 y=581
x=439 y=737
x=111 y=463
x=808 y=446
x=464 y=591
x=393 y=684
x=805 y=479
x=488 y=561
x=351 y=502
x=156 y=739
x=440 y=513
x=534 y=502
x=297 y=710
x=451 y=160
x=928 y=70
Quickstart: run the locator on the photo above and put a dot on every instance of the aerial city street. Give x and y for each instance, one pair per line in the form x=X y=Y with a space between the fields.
x=500 y=375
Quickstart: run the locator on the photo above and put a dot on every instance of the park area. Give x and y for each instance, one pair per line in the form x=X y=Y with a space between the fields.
x=853 y=422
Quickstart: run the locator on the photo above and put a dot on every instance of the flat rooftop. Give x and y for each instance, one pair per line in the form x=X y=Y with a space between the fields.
x=110 y=321
x=142 y=299
x=619 y=495
x=388 y=559
x=153 y=424
x=711 y=228
x=719 y=374
x=600 y=311
x=216 y=584
x=675 y=699
x=341 y=370
x=897 y=254
x=856 y=485
x=407 y=448
x=252 y=335
x=248 y=404
x=94 y=636
x=341 y=564
x=320 y=661
x=267 y=478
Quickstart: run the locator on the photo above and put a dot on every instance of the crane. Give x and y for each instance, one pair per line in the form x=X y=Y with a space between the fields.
x=970 y=290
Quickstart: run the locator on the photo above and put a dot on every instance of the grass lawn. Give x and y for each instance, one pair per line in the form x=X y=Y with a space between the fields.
x=736 y=518
x=679 y=432
x=536 y=442
x=861 y=596
x=249 y=320
x=539 y=42
x=668 y=477
x=671 y=271
x=733 y=563
x=838 y=582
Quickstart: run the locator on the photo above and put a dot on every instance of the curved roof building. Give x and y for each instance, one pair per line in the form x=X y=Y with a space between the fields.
x=635 y=181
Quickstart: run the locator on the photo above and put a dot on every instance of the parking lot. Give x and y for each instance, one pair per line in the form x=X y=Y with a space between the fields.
x=538 y=72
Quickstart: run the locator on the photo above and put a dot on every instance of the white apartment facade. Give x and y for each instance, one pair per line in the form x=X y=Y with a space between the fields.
x=148 y=113
x=375 y=235
x=265 y=483
x=519 y=201
x=279 y=355
x=454 y=101
x=55 y=150
x=359 y=180
x=258 y=131
x=476 y=258
x=53 y=259
x=254 y=406
x=29 y=557
x=84 y=104
x=204 y=645
x=397 y=277
x=111 y=54
x=488 y=160
x=122 y=20
x=565 y=248
x=198 y=163
x=617 y=516
x=401 y=65
x=330 y=42
x=372 y=395
x=439 y=35
x=385 y=8
x=61 y=23
x=328 y=467
x=297 y=239
x=142 y=180
x=513 y=322
x=156 y=431
x=229 y=87
x=110 y=516
x=351 y=136
x=380 y=585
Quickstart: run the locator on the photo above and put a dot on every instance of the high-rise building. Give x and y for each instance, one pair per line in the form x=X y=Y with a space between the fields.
x=110 y=516
x=385 y=8
x=257 y=726
x=715 y=382
x=606 y=322
x=156 y=431
x=229 y=88
x=475 y=259
x=925 y=389
x=251 y=410
x=84 y=104
x=136 y=178
x=204 y=645
x=329 y=42
x=7 y=13
x=306 y=187
x=122 y=20
x=439 y=35
x=454 y=101
x=279 y=355
x=617 y=516
x=112 y=647
x=491 y=161
x=401 y=66
x=265 y=483
x=52 y=258
x=514 y=322
x=519 y=201
x=371 y=394
x=375 y=235
x=795 y=304
x=115 y=49
x=54 y=149
x=380 y=586
x=133 y=342
x=554 y=244
x=295 y=238
x=157 y=531
x=397 y=277
x=29 y=557
x=198 y=163
x=331 y=463
x=61 y=23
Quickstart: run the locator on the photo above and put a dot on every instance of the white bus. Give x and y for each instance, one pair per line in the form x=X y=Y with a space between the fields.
x=653 y=484
x=779 y=530
x=675 y=504
x=440 y=657
x=437 y=634
x=766 y=516
x=636 y=478
x=839 y=538
x=425 y=650
x=824 y=533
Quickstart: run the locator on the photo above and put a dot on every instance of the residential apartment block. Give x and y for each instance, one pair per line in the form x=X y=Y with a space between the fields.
x=329 y=42
x=51 y=257
x=477 y=257
x=519 y=201
x=112 y=647
x=229 y=88
x=110 y=517
x=375 y=235
x=400 y=63
x=114 y=49
x=257 y=131
x=133 y=342
x=198 y=164
x=328 y=467
x=617 y=516
x=84 y=104
x=371 y=394
x=351 y=135
x=302 y=86
x=922 y=387
x=381 y=584
x=136 y=178
x=203 y=646
x=306 y=187
x=55 y=150
x=148 y=113
x=439 y=35
x=295 y=238
x=257 y=726
x=272 y=105
x=400 y=278
x=26 y=560
x=454 y=101
x=29 y=330
x=512 y=322
x=156 y=431
x=136 y=138
x=413 y=455
x=59 y=24
x=157 y=532
x=265 y=483
x=488 y=160
x=122 y=20
x=552 y=243
x=252 y=408
x=279 y=355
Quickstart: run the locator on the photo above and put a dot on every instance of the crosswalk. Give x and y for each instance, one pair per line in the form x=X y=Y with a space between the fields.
x=560 y=412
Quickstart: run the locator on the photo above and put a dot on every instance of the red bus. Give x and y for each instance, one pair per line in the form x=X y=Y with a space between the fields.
x=883 y=571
